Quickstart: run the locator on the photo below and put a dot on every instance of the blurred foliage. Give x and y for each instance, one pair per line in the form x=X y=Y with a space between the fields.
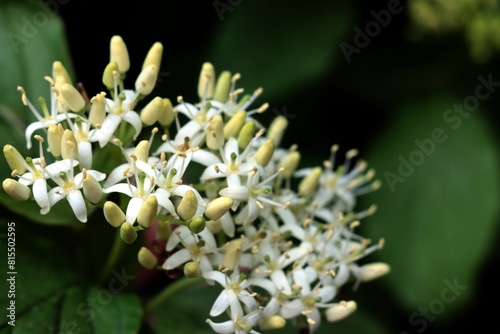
x=439 y=221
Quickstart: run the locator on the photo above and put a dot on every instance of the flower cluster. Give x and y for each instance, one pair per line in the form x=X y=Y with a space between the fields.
x=279 y=240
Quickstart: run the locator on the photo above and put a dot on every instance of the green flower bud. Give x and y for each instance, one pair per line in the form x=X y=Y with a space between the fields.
x=14 y=159
x=188 y=205
x=128 y=233
x=119 y=53
x=310 y=182
x=16 y=190
x=74 y=100
x=246 y=135
x=265 y=153
x=148 y=211
x=192 y=269
x=113 y=214
x=218 y=207
x=222 y=87
x=146 y=258
x=234 y=125
x=197 y=224
x=206 y=82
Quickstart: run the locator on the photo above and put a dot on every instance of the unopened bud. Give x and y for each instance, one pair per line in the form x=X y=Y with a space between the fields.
x=119 y=53
x=151 y=112
x=166 y=116
x=14 y=159
x=374 y=270
x=148 y=211
x=108 y=76
x=154 y=56
x=289 y=163
x=97 y=112
x=141 y=151
x=54 y=139
x=128 y=233
x=69 y=148
x=197 y=224
x=234 y=125
x=163 y=230
x=206 y=82
x=222 y=87
x=218 y=207
x=265 y=153
x=92 y=189
x=58 y=69
x=273 y=322
x=113 y=214
x=340 y=310
x=74 y=100
x=246 y=134
x=192 y=269
x=215 y=132
x=188 y=205
x=277 y=129
x=232 y=254
x=146 y=258
x=146 y=80
x=310 y=182
x=16 y=190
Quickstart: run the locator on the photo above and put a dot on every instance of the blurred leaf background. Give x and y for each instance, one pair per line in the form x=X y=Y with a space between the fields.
x=385 y=77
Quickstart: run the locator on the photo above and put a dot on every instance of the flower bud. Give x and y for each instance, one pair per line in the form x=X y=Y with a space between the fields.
x=16 y=190
x=215 y=132
x=113 y=214
x=218 y=207
x=206 y=83
x=273 y=322
x=163 y=230
x=14 y=159
x=246 y=135
x=148 y=211
x=92 y=189
x=374 y=270
x=97 y=112
x=54 y=138
x=192 y=269
x=166 y=115
x=289 y=163
x=340 y=310
x=154 y=56
x=277 y=129
x=222 y=87
x=151 y=112
x=265 y=153
x=232 y=254
x=188 y=205
x=310 y=182
x=146 y=258
x=146 y=80
x=119 y=53
x=58 y=70
x=128 y=233
x=69 y=148
x=141 y=150
x=74 y=100
x=234 y=125
x=108 y=76
x=197 y=224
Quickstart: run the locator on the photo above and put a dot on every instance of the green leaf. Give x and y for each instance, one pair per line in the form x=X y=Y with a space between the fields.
x=31 y=39
x=438 y=204
x=282 y=52
x=53 y=291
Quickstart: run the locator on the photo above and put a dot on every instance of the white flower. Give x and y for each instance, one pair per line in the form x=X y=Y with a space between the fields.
x=238 y=325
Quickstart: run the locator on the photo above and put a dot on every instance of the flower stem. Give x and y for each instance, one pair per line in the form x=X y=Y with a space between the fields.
x=113 y=257
x=170 y=290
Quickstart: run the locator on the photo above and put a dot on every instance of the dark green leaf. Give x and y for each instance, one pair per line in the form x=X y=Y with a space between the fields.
x=438 y=203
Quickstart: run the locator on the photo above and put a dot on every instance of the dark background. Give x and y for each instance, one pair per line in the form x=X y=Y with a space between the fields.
x=328 y=111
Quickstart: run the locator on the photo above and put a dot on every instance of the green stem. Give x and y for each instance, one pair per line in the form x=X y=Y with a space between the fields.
x=114 y=256
x=170 y=290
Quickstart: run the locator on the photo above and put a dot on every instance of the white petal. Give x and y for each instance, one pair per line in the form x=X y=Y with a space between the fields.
x=135 y=120
x=30 y=130
x=226 y=327
x=41 y=195
x=238 y=193
x=217 y=276
x=133 y=207
x=123 y=188
x=116 y=175
x=234 y=303
x=279 y=279
x=85 y=154
x=177 y=259
x=220 y=304
x=108 y=127
x=291 y=309
x=77 y=203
